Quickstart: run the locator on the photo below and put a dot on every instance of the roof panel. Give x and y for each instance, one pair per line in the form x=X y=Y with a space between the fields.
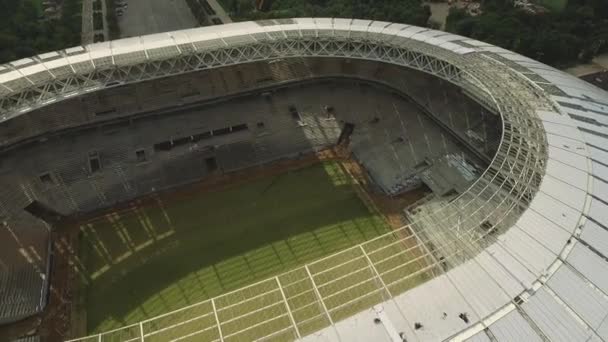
x=600 y=182
x=603 y=330
x=127 y=58
x=9 y=76
x=569 y=158
x=49 y=55
x=479 y=337
x=598 y=154
x=589 y=303
x=514 y=327
x=597 y=138
x=556 y=211
x=567 y=143
x=529 y=252
x=563 y=192
x=569 y=132
x=509 y=284
x=544 y=231
x=511 y=263
x=393 y=29
x=162 y=53
x=478 y=288
x=573 y=176
x=423 y=36
x=598 y=211
x=474 y=42
x=410 y=31
x=361 y=327
x=158 y=41
x=22 y=62
x=553 y=319
x=596 y=236
x=590 y=265
x=426 y=305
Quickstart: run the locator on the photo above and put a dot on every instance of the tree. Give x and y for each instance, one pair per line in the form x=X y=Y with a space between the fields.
x=575 y=34
x=23 y=33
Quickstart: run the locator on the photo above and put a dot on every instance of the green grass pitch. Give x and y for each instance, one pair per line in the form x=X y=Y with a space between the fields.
x=153 y=259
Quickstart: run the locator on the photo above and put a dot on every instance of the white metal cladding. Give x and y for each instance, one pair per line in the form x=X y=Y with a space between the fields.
x=545 y=189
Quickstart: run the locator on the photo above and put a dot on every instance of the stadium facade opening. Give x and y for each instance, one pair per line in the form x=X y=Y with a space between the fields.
x=302 y=179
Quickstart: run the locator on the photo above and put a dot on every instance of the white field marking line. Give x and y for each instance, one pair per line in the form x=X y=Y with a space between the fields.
x=266 y=337
x=177 y=324
x=350 y=287
x=395 y=254
x=255 y=326
x=243 y=289
x=175 y=311
x=304 y=307
x=339 y=265
x=292 y=271
x=260 y=282
x=410 y=275
x=408 y=272
x=295 y=282
x=301 y=293
x=319 y=296
x=398 y=240
x=337 y=254
x=311 y=318
x=376 y=271
x=134 y=339
x=104 y=333
x=193 y=334
x=350 y=273
x=354 y=300
x=404 y=264
x=217 y=321
x=293 y=321
x=249 y=313
x=247 y=300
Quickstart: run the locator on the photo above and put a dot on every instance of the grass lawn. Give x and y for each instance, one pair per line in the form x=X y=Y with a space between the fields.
x=154 y=259
x=555 y=5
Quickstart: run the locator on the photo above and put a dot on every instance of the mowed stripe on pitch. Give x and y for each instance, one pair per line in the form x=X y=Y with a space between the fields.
x=222 y=240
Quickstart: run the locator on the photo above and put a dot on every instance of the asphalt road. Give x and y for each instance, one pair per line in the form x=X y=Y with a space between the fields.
x=154 y=16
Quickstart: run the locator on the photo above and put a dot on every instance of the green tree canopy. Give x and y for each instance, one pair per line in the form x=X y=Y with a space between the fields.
x=25 y=32
x=563 y=38
x=402 y=11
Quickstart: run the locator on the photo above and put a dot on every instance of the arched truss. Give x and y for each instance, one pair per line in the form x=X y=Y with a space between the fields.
x=514 y=87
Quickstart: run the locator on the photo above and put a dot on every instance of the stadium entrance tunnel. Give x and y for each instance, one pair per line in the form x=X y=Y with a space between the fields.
x=270 y=197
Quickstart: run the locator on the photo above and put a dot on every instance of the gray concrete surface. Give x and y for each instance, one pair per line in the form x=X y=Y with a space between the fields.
x=219 y=12
x=154 y=16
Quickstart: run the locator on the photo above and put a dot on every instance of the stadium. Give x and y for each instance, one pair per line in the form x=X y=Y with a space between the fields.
x=301 y=179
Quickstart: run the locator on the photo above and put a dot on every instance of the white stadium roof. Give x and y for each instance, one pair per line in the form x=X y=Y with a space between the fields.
x=545 y=278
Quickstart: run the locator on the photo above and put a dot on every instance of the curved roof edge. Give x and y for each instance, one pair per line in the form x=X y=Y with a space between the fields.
x=546 y=277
